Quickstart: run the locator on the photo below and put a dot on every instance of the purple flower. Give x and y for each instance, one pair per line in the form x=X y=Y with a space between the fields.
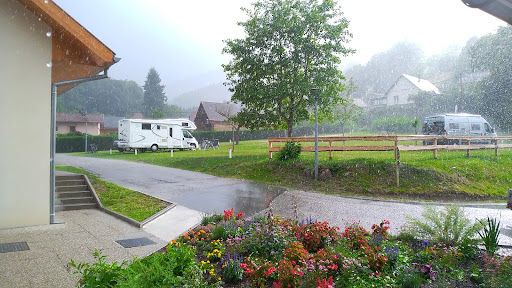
x=425 y=243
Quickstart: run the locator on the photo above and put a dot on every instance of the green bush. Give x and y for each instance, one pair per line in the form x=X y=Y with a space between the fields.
x=290 y=151
x=393 y=125
x=448 y=227
x=98 y=274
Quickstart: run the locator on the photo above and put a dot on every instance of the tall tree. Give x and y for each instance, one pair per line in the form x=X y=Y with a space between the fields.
x=290 y=47
x=154 y=95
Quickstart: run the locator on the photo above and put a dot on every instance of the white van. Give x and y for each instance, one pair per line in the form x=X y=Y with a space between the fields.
x=460 y=124
x=158 y=134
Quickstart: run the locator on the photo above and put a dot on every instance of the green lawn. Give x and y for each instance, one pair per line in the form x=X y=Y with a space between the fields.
x=133 y=204
x=452 y=176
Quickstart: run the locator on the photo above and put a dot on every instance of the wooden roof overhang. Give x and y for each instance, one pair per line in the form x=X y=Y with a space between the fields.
x=76 y=53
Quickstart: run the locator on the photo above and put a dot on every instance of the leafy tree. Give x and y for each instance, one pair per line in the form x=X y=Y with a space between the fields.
x=154 y=95
x=107 y=96
x=348 y=111
x=290 y=47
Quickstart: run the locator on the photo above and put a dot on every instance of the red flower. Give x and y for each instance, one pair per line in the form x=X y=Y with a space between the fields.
x=228 y=214
x=239 y=215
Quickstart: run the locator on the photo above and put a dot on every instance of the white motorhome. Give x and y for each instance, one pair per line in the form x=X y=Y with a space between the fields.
x=145 y=134
x=460 y=124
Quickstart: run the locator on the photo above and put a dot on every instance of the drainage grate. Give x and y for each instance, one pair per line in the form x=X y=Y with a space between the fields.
x=136 y=242
x=13 y=247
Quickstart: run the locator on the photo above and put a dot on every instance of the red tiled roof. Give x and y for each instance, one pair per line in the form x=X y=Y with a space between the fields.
x=78 y=118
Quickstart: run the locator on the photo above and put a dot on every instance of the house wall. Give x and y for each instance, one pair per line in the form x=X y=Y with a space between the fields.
x=221 y=126
x=92 y=128
x=201 y=120
x=25 y=89
x=402 y=89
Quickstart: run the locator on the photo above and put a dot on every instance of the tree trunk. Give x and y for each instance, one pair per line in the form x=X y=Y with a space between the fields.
x=233 y=138
x=290 y=130
x=237 y=135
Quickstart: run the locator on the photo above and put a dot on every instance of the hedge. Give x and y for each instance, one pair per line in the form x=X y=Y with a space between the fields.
x=68 y=144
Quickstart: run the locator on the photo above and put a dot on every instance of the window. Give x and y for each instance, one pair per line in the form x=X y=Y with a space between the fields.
x=57 y=128
x=170 y=132
x=72 y=129
x=475 y=127
x=454 y=126
x=157 y=127
x=146 y=126
x=488 y=128
x=184 y=124
x=395 y=98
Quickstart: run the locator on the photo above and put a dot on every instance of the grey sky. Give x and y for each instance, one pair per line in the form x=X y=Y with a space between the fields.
x=184 y=38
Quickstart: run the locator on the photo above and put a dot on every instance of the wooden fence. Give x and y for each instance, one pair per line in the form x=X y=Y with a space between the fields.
x=467 y=143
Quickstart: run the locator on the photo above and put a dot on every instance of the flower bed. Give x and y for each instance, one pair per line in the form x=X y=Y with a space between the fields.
x=230 y=251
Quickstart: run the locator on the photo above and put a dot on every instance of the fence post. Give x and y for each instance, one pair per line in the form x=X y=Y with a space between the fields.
x=330 y=149
x=468 y=153
x=269 y=151
x=496 y=147
x=435 y=150
x=397 y=159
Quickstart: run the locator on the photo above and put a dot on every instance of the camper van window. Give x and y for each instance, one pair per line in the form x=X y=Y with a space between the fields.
x=454 y=125
x=157 y=127
x=146 y=126
x=487 y=128
x=170 y=132
x=184 y=124
x=475 y=127
x=186 y=134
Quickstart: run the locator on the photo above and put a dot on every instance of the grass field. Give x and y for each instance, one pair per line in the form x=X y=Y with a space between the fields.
x=452 y=176
x=133 y=204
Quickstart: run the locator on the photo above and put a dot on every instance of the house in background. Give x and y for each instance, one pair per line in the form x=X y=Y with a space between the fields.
x=90 y=123
x=110 y=125
x=405 y=86
x=214 y=116
x=41 y=45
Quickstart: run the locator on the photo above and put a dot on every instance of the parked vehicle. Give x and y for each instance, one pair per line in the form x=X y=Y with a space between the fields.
x=460 y=124
x=158 y=134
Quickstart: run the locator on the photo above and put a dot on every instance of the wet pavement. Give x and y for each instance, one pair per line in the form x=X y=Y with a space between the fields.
x=198 y=191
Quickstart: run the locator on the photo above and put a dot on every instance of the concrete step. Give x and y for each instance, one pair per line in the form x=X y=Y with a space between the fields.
x=72 y=194
x=69 y=182
x=71 y=188
x=68 y=177
x=74 y=200
x=68 y=207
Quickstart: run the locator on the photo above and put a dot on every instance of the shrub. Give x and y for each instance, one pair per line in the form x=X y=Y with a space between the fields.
x=449 y=227
x=290 y=151
x=99 y=274
x=489 y=235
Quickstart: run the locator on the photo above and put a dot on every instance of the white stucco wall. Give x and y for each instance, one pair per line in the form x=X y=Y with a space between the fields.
x=25 y=104
x=403 y=88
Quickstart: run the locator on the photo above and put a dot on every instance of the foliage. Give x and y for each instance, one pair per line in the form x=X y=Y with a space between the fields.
x=99 y=273
x=448 y=227
x=316 y=236
x=107 y=96
x=154 y=95
x=291 y=46
x=490 y=235
x=356 y=259
x=393 y=125
x=290 y=151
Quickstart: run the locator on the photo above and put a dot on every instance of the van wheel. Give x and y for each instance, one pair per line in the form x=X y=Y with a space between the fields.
x=193 y=147
x=154 y=148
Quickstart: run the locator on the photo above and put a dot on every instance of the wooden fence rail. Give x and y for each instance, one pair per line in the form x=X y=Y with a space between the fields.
x=465 y=143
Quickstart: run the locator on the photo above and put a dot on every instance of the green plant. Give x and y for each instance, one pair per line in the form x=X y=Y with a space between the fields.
x=316 y=236
x=211 y=219
x=489 y=235
x=99 y=273
x=231 y=267
x=449 y=227
x=290 y=151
